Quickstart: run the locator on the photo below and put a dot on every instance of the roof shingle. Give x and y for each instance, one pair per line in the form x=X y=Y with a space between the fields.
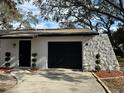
x=46 y=32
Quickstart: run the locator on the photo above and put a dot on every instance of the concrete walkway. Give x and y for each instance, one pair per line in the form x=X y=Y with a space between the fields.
x=55 y=81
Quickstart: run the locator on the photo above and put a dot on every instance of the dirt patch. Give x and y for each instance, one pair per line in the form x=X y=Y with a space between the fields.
x=116 y=85
x=7 y=82
x=114 y=80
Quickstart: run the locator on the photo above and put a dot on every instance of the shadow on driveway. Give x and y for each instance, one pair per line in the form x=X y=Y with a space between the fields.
x=64 y=75
x=55 y=81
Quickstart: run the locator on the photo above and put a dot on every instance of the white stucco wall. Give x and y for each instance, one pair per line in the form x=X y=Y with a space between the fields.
x=7 y=46
x=40 y=46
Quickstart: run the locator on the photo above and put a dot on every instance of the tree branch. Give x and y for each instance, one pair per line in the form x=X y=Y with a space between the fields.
x=108 y=14
x=117 y=7
x=101 y=12
x=121 y=5
x=19 y=26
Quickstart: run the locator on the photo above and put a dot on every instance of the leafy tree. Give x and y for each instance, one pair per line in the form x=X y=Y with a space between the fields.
x=118 y=37
x=10 y=14
x=82 y=12
x=7 y=13
x=98 y=15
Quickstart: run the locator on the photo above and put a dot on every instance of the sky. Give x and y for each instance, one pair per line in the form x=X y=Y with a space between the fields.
x=29 y=7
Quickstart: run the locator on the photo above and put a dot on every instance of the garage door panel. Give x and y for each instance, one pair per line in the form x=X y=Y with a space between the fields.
x=65 y=55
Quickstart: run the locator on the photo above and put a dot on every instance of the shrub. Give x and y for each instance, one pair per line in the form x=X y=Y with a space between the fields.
x=34 y=54
x=98 y=61
x=7 y=58
x=97 y=68
x=7 y=54
x=98 y=56
x=34 y=60
x=7 y=64
x=33 y=65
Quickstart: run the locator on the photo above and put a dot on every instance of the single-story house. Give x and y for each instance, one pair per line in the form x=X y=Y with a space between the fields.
x=57 y=48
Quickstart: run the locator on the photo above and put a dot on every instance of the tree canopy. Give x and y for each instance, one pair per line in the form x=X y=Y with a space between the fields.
x=95 y=14
x=118 y=37
x=98 y=15
x=10 y=15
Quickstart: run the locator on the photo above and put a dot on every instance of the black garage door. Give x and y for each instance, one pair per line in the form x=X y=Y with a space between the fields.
x=65 y=55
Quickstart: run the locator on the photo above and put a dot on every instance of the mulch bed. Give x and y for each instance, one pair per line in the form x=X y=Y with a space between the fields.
x=4 y=70
x=116 y=85
x=107 y=74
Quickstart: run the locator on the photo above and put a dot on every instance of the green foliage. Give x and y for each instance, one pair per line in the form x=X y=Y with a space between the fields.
x=118 y=38
x=33 y=65
x=120 y=59
x=7 y=64
x=97 y=68
x=97 y=56
x=34 y=54
x=7 y=54
x=83 y=13
x=34 y=60
x=10 y=14
x=97 y=61
x=7 y=58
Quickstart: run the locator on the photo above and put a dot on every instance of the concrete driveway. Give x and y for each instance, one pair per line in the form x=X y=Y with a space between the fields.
x=55 y=81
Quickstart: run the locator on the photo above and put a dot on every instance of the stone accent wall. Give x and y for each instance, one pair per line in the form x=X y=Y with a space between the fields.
x=99 y=44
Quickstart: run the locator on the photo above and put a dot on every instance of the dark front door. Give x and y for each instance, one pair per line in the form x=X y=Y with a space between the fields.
x=25 y=53
x=65 y=55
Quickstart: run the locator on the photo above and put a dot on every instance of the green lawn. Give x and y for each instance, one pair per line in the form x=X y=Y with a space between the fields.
x=121 y=61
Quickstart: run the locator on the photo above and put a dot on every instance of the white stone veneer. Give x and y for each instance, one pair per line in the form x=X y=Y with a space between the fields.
x=99 y=44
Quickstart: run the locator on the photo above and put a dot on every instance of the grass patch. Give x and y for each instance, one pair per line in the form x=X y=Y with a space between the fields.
x=121 y=61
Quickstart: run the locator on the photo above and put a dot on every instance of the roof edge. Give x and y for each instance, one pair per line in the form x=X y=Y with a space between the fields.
x=46 y=29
